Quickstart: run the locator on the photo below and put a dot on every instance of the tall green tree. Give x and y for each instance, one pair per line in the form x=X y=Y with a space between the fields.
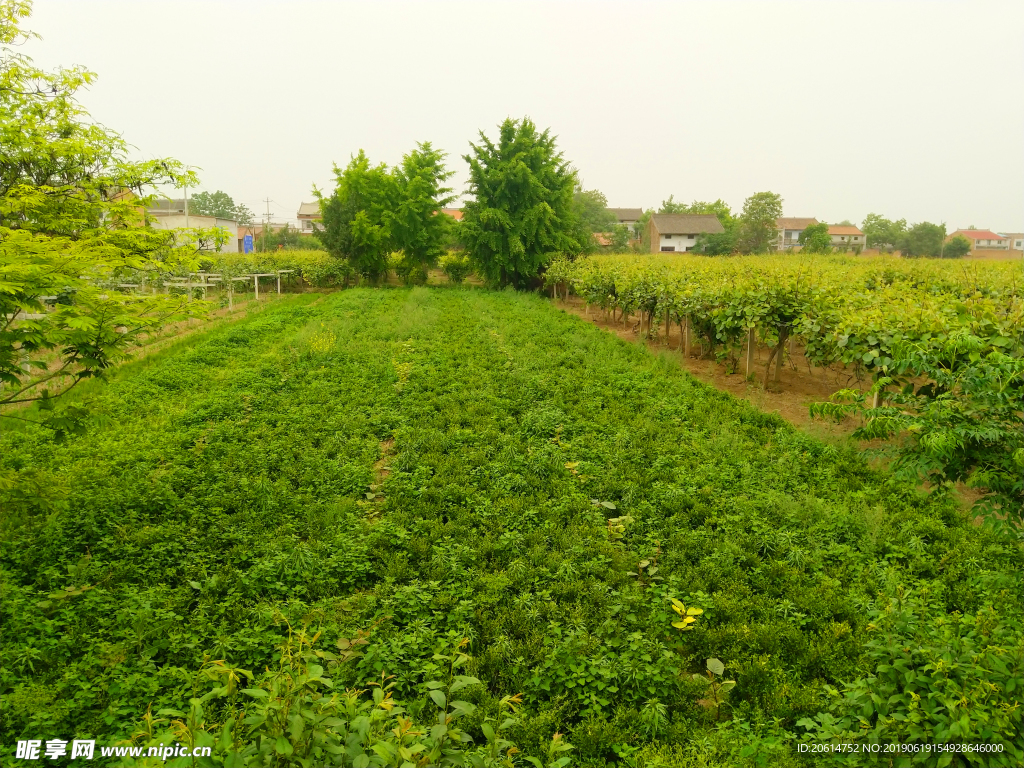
x=522 y=213
x=72 y=223
x=957 y=247
x=417 y=227
x=356 y=217
x=816 y=239
x=758 y=228
x=640 y=228
x=671 y=206
x=220 y=205
x=217 y=204
x=592 y=210
x=719 y=208
x=620 y=238
x=923 y=239
x=880 y=232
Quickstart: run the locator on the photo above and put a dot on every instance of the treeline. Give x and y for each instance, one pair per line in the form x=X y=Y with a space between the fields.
x=527 y=206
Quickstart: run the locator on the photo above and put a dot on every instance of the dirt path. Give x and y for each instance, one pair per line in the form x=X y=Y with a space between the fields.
x=799 y=386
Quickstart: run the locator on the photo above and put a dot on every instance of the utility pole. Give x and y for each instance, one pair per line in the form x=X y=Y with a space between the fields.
x=266 y=229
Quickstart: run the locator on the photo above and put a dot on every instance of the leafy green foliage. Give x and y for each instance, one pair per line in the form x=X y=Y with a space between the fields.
x=456 y=266
x=375 y=211
x=286 y=237
x=221 y=205
x=850 y=312
x=227 y=498
x=70 y=225
x=959 y=412
x=294 y=714
x=956 y=248
x=717 y=690
x=523 y=211
x=356 y=217
x=935 y=680
x=880 y=232
x=816 y=239
x=620 y=238
x=923 y=239
x=419 y=232
x=592 y=210
x=758 y=230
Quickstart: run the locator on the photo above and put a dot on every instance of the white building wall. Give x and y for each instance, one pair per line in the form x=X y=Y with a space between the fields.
x=988 y=243
x=849 y=241
x=177 y=221
x=681 y=243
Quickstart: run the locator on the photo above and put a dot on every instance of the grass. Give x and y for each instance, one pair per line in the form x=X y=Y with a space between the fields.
x=436 y=464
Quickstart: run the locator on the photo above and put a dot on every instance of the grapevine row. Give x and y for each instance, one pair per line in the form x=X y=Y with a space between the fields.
x=854 y=312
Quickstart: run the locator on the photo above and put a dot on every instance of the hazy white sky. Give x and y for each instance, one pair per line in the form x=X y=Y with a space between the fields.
x=908 y=109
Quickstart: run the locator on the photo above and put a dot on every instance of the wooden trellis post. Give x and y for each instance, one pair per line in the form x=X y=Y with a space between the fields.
x=687 y=333
x=751 y=346
x=279 y=273
x=231 y=290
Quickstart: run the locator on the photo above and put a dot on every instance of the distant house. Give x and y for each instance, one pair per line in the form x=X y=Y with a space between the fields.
x=455 y=213
x=790 y=230
x=627 y=216
x=171 y=214
x=308 y=213
x=846 y=238
x=162 y=207
x=984 y=239
x=1016 y=240
x=678 y=231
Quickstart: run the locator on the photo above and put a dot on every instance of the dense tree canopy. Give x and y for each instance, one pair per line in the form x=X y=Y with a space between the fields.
x=71 y=219
x=416 y=226
x=758 y=228
x=592 y=210
x=880 y=232
x=221 y=205
x=375 y=210
x=923 y=239
x=356 y=217
x=523 y=211
x=957 y=247
x=816 y=239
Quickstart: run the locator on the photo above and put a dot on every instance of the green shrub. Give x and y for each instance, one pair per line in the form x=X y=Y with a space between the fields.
x=456 y=266
x=935 y=680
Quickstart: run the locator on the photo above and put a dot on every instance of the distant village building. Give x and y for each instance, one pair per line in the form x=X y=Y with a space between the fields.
x=171 y=214
x=678 y=231
x=983 y=239
x=790 y=230
x=308 y=213
x=846 y=238
x=627 y=216
x=455 y=213
x=1016 y=240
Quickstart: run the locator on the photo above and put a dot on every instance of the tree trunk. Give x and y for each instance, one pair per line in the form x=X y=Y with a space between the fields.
x=776 y=350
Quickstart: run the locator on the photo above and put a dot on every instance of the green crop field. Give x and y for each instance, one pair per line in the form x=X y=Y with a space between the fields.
x=467 y=496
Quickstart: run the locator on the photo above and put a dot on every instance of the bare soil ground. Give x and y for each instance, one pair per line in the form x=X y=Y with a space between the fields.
x=799 y=385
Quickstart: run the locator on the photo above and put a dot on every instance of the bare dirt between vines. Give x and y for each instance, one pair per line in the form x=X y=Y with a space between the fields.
x=799 y=385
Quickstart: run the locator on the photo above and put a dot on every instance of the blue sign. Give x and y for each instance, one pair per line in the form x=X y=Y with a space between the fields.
x=247 y=244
